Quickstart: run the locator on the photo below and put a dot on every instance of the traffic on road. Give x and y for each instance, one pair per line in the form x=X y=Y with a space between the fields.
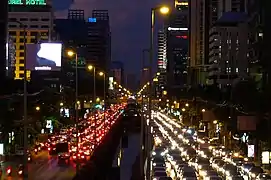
x=181 y=153
x=58 y=157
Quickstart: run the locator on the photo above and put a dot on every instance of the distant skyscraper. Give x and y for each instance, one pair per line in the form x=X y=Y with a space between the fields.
x=117 y=71
x=145 y=74
x=177 y=48
x=76 y=14
x=99 y=40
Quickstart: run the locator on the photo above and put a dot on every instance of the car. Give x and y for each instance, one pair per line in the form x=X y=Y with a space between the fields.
x=263 y=176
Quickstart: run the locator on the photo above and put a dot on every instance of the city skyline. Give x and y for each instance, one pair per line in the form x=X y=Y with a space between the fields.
x=125 y=19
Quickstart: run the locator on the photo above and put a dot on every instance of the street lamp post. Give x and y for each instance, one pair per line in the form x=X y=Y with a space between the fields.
x=90 y=67
x=103 y=75
x=25 y=135
x=71 y=54
x=163 y=10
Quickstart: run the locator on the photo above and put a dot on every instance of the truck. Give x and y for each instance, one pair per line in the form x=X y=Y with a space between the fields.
x=63 y=152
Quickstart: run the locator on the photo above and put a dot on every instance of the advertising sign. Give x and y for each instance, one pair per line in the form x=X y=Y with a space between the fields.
x=44 y=57
x=111 y=81
x=27 y=2
x=250 y=151
x=48 y=124
x=265 y=157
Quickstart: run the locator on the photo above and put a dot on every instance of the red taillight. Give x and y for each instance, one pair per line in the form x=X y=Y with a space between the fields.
x=8 y=170
x=20 y=172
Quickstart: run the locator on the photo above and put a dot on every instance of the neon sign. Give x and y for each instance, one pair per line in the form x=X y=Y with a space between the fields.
x=27 y=2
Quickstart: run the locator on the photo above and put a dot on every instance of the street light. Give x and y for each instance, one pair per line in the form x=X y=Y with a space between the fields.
x=25 y=161
x=203 y=110
x=102 y=74
x=71 y=53
x=163 y=10
x=37 y=108
x=90 y=68
x=183 y=109
x=186 y=104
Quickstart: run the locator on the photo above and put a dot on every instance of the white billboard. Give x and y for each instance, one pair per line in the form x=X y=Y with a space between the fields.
x=44 y=56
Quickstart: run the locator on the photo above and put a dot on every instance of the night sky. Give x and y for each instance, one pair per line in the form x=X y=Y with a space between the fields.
x=129 y=20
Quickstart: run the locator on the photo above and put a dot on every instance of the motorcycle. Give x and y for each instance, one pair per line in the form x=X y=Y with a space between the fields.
x=9 y=171
x=20 y=170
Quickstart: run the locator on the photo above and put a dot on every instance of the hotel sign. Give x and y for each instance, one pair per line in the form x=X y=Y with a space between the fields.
x=27 y=2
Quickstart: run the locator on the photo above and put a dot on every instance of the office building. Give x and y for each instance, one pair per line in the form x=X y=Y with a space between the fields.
x=76 y=14
x=3 y=36
x=229 y=49
x=38 y=22
x=162 y=62
x=99 y=40
x=145 y=76
x=117 y=71
x=177 y=48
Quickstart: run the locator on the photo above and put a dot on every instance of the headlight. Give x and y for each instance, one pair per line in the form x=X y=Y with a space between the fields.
x=203 y=173
x=135 y=115
x=154 y=164
x=253 y=175
x=153 y=153
x=154 y=179
x=228 y=173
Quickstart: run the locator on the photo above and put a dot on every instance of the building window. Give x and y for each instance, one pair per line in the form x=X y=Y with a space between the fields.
x=21 y=54
x=23 y=19
x=45 y=26
x=34 y=26
x=45 y=19
x=34 y=19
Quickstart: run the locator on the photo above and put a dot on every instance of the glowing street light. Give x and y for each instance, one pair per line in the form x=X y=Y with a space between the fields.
x=90 y=67
x=203 y=110
x=37 y=108
x=183 y=109
x=186 y=104
x=164 y=10
x=61 y=104
x=71 y=53
x=101 y=73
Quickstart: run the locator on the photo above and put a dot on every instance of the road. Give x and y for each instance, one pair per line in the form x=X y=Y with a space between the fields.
x=43 y=167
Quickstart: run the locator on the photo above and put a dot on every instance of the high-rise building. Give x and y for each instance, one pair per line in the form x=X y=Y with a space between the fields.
x=145 y=74
x=99 y=40
x=117 y=71
x=229 y=49
x=162 y=62
x=73 y=34
x=76 y=14
x=3 y=36
x=37 y=19
x=177 y=48
x=202 y=13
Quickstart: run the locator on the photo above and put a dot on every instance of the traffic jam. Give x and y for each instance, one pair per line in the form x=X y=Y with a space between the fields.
x=180 y=154
x=63 y=146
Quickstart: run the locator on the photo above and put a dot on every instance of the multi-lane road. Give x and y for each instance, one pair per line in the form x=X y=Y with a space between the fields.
x=46 y=167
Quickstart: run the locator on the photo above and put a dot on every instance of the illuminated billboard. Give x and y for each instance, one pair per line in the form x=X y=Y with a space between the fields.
x=27 y=2
x=43 y=57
